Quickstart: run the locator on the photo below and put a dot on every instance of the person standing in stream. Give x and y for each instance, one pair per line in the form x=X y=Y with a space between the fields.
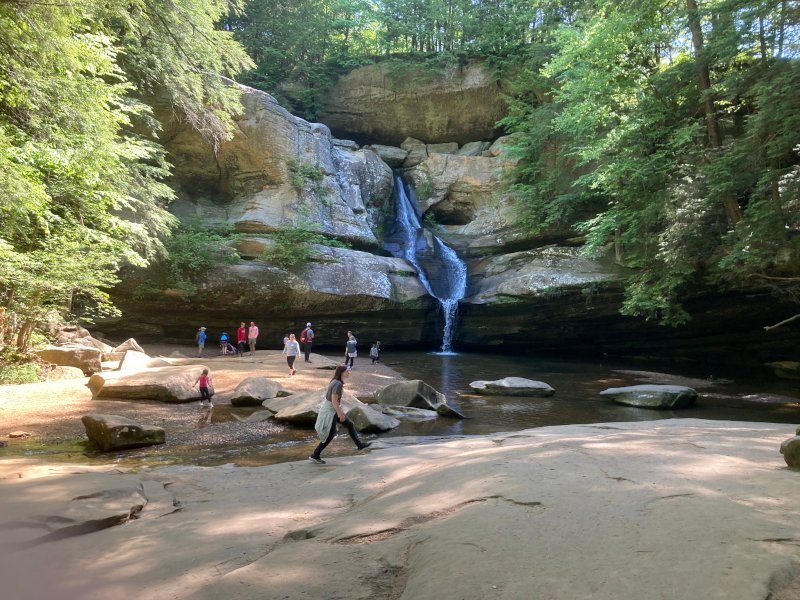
x=331 y=414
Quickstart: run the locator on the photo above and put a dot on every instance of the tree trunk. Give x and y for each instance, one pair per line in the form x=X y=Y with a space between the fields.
x=710 y=110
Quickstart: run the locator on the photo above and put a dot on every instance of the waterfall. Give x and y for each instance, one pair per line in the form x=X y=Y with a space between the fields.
x=440 y=270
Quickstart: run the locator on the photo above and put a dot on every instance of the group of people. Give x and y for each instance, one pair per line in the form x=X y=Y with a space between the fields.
x=246 y=338
x=331 y=414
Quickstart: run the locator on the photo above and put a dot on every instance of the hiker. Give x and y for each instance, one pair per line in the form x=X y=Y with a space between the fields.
x=291 y=350
x=331 y=413
x=205 y=382
x=307 y=339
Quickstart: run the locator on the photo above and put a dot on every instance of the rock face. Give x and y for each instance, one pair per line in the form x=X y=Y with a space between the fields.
x=276 y=170
x=376 y=103
x=512 y=386
x=664 y=397
x=166 y=384
x=112 y=432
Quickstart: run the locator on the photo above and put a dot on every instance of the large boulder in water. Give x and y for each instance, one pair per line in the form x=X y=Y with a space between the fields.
x=665 y=397
x=512 y=386
x=112 y=432
x=302 y=410
x=166 y=384
x=134 y=360
x=418 y=394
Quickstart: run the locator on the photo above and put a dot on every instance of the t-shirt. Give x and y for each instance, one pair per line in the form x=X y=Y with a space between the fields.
x=241 y=334
x=201 y=337
x=351 y=346
x=203 y=381
x=292 y=348
x=334 y=389
x=252 y=333
x=223 y=337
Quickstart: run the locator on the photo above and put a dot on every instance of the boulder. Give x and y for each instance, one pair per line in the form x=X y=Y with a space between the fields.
x=665 y=397
x=133 y=360
x=512 y=386
x=129 y=344
x=85 y=358
x=473 y=148
x=417 y=152
x=391 y=155
x=366 y=418
x=446 y=148
x=791 y=451
x=166 y=384
x=254 y=390
x=302 y=410
x=786 y=369
x=112 y=432
x=417 y=394
x=95 y=343
x=62 y=373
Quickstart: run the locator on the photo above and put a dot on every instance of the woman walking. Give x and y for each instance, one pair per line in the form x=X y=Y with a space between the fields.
x=291 y=350
x=331 y=413
x=350 y=350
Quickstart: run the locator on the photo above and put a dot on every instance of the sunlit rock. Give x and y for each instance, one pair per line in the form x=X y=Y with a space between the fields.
x=665 y=397
x=512 y=386
x=112 y=432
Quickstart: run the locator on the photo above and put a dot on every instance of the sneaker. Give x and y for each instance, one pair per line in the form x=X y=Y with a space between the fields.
x=210 y=404
x=316 y=460
x=365 y=445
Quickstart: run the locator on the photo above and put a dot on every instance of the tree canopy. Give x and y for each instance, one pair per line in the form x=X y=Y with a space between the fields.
x=81 y=170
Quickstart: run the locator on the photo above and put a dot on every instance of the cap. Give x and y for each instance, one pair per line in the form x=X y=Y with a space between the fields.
x=308 y=324
x=202 y=329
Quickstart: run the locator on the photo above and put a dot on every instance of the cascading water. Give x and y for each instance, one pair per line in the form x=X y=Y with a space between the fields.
x=440 y=270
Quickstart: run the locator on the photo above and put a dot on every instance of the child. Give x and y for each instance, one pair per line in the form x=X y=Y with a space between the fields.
x=205 y=382
x=373 y=353
x=223 y=342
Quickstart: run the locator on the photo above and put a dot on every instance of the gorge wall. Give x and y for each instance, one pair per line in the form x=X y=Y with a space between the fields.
x=524 y=292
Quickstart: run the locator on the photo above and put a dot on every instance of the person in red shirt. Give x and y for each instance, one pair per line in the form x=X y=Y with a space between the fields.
x=241 y=339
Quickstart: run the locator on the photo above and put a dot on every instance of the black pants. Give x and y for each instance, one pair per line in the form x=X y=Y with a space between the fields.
x=204 y=394
x=290 y=361
x=351 y=429
x=307 y=349
x=349 y=359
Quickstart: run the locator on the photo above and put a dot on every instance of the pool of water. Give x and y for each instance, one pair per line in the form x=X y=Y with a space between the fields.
x=223 y=436
x=577 y=399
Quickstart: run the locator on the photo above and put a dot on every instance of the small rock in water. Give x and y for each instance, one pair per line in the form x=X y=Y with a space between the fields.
x=20 y=434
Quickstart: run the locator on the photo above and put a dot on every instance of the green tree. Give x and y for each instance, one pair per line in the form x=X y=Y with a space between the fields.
x=81 y=175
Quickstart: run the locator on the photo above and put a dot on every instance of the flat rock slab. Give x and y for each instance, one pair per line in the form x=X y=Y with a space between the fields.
x=581 y=511
x=662 y=397
x=112 y=432
x=512 y=386
x=166 y=384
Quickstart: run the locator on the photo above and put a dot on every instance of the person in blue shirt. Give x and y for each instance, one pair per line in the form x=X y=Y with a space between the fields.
x=200 y=338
